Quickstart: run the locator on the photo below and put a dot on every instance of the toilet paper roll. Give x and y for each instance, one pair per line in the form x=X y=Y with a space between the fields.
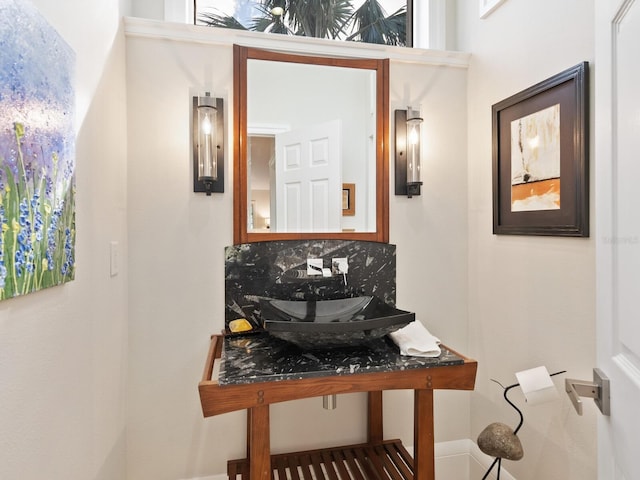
x=537 y=385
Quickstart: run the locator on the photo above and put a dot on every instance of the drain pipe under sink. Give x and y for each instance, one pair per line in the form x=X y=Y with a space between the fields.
x=329 y=402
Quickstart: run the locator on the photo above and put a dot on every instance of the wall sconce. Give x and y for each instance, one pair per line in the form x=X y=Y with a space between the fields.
x=408 y=152
x=208 y=144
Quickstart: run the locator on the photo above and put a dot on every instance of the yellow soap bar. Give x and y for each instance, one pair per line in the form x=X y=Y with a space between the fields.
x=239 y=325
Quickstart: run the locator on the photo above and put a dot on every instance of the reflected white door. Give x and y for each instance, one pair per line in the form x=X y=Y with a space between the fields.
x=617 y=176
x=309 y=179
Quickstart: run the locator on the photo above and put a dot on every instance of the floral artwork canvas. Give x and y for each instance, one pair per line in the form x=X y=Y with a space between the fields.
x=37 y=153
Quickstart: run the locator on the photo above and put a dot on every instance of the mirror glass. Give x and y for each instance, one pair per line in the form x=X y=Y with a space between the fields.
x=310 y=147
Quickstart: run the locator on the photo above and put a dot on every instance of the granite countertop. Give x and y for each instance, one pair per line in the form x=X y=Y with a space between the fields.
x=259 y=357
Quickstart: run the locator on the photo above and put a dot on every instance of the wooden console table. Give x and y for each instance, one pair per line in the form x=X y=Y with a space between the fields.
x=373 y=460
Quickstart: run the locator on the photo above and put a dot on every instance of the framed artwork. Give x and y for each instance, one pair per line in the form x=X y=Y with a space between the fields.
x=348 y=199
x=37 y=153
x=540 y=158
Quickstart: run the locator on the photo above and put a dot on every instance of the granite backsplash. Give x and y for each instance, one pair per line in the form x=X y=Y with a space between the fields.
x=278 y=270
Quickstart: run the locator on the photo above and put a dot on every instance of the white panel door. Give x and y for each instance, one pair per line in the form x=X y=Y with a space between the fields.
x=617 y=175
x=309 y=179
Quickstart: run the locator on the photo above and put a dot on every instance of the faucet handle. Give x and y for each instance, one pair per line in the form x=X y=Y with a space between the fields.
x=340 y=266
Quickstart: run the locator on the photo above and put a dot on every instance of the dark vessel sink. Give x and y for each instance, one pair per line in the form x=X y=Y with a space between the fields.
x=331 y=323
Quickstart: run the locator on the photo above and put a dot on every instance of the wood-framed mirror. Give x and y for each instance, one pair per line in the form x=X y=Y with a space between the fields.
x=295 y=114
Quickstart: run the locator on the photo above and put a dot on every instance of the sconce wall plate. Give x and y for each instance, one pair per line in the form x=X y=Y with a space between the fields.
x=217 y=186
x=402 y=157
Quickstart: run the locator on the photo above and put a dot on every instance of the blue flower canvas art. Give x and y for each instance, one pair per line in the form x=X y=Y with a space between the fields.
x=37 y=153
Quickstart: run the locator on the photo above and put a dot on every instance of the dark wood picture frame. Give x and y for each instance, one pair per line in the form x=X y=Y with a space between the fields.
x=567 y=91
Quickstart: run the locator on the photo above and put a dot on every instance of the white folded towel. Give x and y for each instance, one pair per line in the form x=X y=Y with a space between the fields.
x=415 y=340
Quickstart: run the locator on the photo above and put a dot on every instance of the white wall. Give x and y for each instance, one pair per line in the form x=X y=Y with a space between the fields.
x=153 y=8
x=430 y=230
x=177 y=241
x=63 y=350
x=531 y=299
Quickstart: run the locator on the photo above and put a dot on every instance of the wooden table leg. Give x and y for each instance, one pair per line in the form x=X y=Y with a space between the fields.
x=374 y=417
x=423 y=441
x=258 y=443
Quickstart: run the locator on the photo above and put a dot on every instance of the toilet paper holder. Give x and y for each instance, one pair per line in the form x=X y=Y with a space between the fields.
x=598 y=390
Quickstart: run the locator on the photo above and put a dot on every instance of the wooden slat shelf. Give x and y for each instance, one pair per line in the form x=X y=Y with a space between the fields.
x=386 y=461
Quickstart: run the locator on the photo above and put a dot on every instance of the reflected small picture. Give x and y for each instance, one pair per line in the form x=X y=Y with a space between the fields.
x=535 y=161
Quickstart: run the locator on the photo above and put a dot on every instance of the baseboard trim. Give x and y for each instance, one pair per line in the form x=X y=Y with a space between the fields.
x=466 y=450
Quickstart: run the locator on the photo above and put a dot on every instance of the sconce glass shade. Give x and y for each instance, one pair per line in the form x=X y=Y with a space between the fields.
x=407 y=165
x=413 y=147
x=207 y=145
x=208 y=148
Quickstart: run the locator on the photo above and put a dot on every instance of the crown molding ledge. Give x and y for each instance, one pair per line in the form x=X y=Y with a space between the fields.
x=182 y=32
